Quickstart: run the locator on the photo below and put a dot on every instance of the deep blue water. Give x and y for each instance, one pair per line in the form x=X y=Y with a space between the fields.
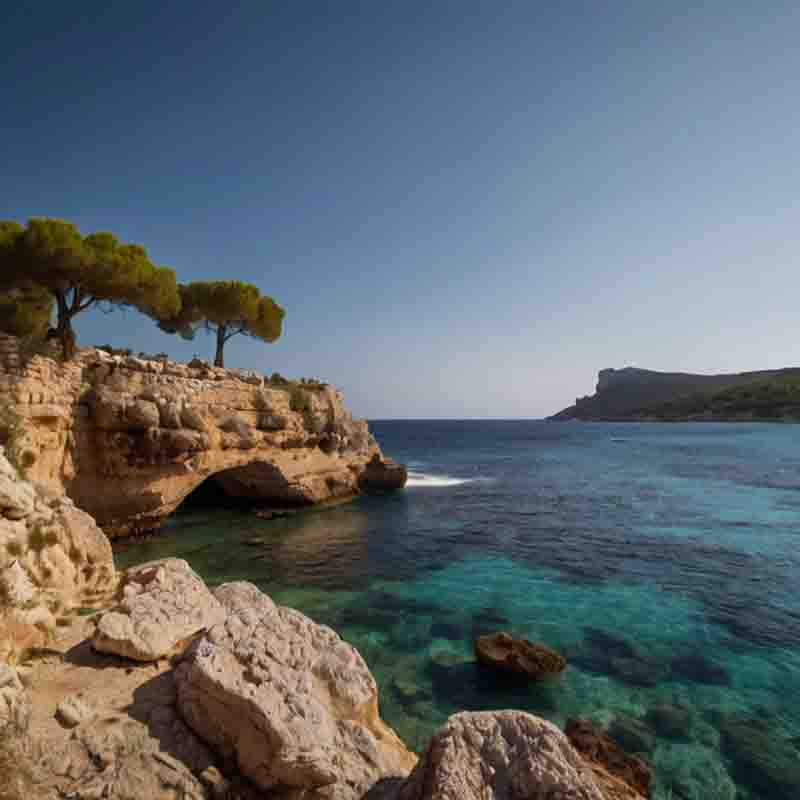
x=662 y=560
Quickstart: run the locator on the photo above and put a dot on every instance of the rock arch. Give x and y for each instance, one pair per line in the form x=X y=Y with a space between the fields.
x=128 y=439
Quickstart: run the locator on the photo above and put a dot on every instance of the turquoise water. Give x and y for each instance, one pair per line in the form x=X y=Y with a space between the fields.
x=662 y=560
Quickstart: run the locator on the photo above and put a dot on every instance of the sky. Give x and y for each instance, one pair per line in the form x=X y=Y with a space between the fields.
x=466 y=208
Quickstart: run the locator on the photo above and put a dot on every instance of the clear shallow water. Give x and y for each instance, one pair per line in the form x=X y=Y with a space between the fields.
x=662 y=560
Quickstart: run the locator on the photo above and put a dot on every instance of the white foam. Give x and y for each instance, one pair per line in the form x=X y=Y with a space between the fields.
x=434 y=481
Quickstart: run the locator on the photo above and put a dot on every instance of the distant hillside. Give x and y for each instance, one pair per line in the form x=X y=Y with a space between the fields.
x=641 y=394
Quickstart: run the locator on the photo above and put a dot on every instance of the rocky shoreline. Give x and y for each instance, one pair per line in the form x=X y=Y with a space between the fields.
x=150 y=684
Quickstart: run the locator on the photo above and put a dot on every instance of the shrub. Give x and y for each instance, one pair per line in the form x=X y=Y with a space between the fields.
x=299 y=400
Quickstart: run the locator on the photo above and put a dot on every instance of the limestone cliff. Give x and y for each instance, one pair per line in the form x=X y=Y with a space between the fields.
x=129 y=438
x=52 y=558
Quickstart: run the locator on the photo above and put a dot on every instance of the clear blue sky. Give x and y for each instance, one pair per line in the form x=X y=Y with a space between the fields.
x=467 y=208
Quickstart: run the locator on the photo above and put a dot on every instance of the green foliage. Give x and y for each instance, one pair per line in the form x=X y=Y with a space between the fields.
x=226 y=308
x=25 y=311
x=299 y=399
x=49 y=257
x=772 y=398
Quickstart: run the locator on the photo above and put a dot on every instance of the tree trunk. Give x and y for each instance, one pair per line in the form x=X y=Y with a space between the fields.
x=64 y=332
x=219 y=360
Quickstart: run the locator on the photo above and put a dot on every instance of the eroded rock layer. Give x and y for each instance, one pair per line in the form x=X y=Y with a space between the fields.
x=128 y=439
x=53 y=557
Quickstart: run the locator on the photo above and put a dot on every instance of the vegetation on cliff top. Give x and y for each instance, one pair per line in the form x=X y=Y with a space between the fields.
x=226 y=309
x=646 y=395
x=49 y=269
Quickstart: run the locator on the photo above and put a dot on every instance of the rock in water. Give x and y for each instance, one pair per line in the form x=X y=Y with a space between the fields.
x=609 y=759
x=520 y=656
x=165 y=604
x=500 y=754
x=293 y=704
x=383 y=475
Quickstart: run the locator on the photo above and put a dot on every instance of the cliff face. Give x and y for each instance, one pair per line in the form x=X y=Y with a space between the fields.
x=128 y=439
x=641 y=394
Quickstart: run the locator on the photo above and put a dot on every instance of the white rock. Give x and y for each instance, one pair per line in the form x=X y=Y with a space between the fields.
x=500 y=754
x=294 y=705
x=164 y=604
x=15 y=707
x=75 y=709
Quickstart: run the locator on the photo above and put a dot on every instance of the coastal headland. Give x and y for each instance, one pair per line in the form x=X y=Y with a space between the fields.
x=128 y=439
x=642 y=395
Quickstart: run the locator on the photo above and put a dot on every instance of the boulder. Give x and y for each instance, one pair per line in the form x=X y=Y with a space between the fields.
x=383 y=475
x=15 y=707
x=238 y=595
x=607 y=757
x=294 y=705
x=53 y=557
x=142 y=414
x=170 y=415
x=164 y=605
x=74 y=709
x=115 y=756
x=190 y=418
x=108 y=411
x=500 y=754
x=520 y=656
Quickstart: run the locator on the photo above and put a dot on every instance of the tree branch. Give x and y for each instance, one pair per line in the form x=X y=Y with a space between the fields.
x=83 y=306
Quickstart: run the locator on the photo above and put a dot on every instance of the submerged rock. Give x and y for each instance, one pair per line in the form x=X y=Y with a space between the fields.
x=165 y=604
x=762 y=760
x=294 y=705
x=520 y=656
x=500 y=754
x=600 y=751
x=670 y=721
x=631 y=734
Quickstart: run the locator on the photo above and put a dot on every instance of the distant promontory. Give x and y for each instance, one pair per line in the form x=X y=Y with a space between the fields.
x=632 y=394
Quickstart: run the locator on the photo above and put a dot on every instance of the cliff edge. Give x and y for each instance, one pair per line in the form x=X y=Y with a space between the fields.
x=128 y=439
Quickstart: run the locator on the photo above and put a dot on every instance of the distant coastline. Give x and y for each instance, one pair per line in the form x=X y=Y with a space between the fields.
x=639 y=395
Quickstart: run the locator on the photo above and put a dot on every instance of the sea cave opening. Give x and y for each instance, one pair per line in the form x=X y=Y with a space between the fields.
x=258 y=484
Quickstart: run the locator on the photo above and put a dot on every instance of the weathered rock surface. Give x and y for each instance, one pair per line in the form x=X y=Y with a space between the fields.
x=293 y=704
x=500 y=754
x=14 y=702
x=164 y=604
x=151 y=431
x=75 y=709
x=53 y=557
x=383 y=475
x=609 y=760
x=506 y=652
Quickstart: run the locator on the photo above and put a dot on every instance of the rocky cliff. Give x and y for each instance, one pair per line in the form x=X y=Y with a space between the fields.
x=128 y=439
x=641 y=394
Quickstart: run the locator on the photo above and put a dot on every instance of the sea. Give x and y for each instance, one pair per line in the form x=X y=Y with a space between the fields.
x=662 y=560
